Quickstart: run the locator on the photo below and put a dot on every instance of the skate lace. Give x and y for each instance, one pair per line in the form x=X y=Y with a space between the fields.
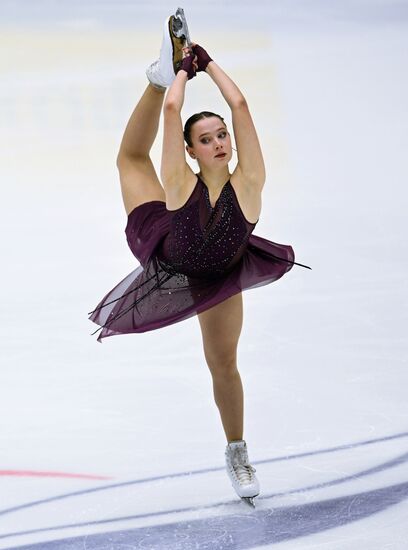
x=244 y=472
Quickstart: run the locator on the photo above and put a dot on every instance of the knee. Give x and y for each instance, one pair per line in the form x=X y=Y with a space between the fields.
x=222 y=366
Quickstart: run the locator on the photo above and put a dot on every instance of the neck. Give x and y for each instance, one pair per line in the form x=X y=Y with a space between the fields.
x=215 y=179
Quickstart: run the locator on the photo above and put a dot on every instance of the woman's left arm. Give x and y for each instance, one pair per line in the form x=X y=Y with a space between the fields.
x=250 y=159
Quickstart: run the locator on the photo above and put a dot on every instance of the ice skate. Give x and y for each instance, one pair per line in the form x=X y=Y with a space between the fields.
x=161 y=73
x=240 y=472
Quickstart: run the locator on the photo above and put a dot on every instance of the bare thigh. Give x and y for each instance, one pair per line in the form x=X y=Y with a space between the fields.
x=139 y=182
x=221 y=327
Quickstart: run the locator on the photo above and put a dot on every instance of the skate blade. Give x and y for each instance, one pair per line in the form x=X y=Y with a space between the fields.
x=180 y=27
x=249 y=500
x=178 y=41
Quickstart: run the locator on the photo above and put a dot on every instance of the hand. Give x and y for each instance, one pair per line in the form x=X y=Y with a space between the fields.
x=202 y=57
x=189 y=63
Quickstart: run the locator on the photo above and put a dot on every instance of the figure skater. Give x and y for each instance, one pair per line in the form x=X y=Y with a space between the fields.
x=193 y=235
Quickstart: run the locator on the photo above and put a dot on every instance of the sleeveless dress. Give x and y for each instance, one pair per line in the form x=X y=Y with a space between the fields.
x=191 y=259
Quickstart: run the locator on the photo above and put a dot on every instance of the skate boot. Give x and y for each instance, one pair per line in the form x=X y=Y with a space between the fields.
x=161 y=73
x=240 y=472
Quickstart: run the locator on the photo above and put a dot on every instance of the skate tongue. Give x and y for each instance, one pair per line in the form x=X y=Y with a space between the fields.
x=239 y=456
x=238 y=443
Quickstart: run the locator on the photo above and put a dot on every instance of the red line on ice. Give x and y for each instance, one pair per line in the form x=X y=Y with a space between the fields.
x=29 y=473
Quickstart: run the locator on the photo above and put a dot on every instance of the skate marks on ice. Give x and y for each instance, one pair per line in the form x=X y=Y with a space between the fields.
x=243 y=531
x=236 y=525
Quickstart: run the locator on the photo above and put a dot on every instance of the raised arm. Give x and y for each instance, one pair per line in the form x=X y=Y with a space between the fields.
x=174 y=168
x=250 y=159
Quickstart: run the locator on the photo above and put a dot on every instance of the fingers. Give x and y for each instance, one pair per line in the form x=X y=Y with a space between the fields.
x=187 y=50
x=186 y=53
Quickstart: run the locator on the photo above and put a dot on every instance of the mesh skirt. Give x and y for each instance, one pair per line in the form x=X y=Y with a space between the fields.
x=154 y=295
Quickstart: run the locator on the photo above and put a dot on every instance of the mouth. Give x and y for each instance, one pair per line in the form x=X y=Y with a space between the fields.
x=221 y=155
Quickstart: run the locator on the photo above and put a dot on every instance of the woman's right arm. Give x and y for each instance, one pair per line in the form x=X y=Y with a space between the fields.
x=174 y=168
x=251 y=165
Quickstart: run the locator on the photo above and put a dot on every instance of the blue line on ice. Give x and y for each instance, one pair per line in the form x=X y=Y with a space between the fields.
x=376 y=469
x=259 y=528
x=202 y=471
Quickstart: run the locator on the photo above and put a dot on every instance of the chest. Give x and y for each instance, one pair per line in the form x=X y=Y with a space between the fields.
x=206 y=241
x=247 y=201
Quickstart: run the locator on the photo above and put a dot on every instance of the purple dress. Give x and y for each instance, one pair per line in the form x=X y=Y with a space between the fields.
x=191 y=259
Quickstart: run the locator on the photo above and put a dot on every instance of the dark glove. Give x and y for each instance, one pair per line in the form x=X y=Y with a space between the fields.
x=202 y=57
x=187 y=65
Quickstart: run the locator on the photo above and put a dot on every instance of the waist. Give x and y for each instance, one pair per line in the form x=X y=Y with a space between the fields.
x=204 y=269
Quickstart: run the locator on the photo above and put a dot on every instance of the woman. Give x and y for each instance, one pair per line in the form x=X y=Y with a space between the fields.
x=193 y=236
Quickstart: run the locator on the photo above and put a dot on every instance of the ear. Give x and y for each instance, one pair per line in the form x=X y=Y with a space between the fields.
x=190 y=151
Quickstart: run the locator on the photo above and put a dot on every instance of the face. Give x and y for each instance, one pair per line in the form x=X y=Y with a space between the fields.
x=210 y=137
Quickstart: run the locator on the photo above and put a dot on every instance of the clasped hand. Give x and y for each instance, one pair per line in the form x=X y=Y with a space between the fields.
x=196 y=60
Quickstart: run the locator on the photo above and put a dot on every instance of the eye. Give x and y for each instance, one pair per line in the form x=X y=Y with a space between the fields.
x=205 y=140
x=223 y=134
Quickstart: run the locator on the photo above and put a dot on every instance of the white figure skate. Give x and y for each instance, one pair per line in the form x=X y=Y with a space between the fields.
x=240 y=472
x=161 y=73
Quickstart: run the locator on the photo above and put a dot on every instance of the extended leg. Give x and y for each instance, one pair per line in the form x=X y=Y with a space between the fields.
x=141 y=130
x=138 y=178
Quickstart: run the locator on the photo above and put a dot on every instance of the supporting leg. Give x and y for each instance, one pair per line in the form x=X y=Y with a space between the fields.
x=229 y=398
x=221 y=327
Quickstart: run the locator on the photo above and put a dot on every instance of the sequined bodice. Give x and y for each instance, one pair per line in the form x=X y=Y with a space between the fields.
x=205 y=241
